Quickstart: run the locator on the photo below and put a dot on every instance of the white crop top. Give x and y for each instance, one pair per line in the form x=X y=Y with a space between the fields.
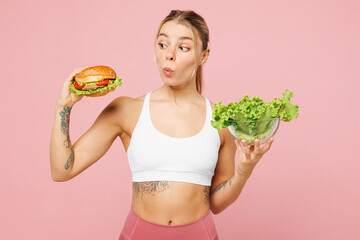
x=155 y=156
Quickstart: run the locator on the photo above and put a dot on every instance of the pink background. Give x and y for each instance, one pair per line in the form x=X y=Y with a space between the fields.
x=306 y=187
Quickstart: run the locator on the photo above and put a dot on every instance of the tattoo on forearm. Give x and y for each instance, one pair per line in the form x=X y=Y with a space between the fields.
x=67 y=142
x=223 y=185
x=69 y=160
x=152 y=188
x=207 y=195
x=65 y=119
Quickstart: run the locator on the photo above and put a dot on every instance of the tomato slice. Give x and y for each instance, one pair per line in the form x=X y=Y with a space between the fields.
x=78 y=86
x=103 y=83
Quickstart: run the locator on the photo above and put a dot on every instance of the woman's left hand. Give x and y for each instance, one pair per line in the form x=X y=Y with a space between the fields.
x=249 y=156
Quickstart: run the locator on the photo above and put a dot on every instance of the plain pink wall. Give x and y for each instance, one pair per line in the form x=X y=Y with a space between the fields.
x=306 y=187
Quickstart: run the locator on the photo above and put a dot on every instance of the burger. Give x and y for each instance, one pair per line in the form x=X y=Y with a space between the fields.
x=95 y=81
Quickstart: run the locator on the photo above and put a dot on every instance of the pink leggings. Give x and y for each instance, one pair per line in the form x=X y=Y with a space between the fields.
x=137 y=228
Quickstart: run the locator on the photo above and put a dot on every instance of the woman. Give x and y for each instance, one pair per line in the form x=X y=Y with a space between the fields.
x=181 y=166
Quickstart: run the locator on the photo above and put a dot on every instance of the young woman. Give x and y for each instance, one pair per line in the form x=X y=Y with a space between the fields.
x=183 y=169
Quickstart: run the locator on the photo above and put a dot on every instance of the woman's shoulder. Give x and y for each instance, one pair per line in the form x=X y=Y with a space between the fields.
x=127 y=101
x=126 y=110
x=211 y=103
x=126 y=105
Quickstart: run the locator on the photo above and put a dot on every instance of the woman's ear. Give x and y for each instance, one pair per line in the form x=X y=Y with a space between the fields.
x=204 y=56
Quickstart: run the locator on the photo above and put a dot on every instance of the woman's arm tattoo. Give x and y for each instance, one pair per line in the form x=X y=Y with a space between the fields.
x=69 y=160
x=65 y=120
x=222 y=185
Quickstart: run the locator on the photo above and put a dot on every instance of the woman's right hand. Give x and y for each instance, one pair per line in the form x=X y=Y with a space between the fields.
x=68 y=98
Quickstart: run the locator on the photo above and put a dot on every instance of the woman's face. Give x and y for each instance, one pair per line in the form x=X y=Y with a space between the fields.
x=175 y=54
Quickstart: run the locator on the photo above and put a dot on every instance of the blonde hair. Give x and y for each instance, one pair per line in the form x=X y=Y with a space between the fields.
x=193 y=21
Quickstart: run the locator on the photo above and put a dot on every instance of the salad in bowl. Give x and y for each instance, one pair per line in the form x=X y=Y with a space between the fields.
x=253 y=118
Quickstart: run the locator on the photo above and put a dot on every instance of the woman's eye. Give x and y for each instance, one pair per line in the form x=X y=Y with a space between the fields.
x=184 y=48
x=161 y=45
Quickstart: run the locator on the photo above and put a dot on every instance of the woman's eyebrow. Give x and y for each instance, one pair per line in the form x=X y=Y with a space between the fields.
x=180 y=38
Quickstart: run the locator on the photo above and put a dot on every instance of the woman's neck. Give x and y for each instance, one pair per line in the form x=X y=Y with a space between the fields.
x=179 y=96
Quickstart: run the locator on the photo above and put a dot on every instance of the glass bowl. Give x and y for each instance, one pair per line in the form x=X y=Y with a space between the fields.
x=257 y=129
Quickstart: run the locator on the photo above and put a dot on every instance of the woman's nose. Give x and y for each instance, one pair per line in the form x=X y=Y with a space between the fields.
x=170 y=55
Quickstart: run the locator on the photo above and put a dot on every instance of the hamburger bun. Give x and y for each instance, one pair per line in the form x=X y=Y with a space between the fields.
x=95 y=74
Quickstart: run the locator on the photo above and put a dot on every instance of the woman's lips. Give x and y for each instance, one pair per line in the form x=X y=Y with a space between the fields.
x=167 y=71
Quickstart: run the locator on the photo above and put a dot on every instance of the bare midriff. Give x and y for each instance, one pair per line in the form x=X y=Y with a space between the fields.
x=169 y=202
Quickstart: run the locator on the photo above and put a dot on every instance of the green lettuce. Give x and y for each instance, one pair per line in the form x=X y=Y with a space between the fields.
x=113 y=84
x=254 y=118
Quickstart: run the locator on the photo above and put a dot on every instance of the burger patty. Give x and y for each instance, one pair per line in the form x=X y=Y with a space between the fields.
x=92 y=85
